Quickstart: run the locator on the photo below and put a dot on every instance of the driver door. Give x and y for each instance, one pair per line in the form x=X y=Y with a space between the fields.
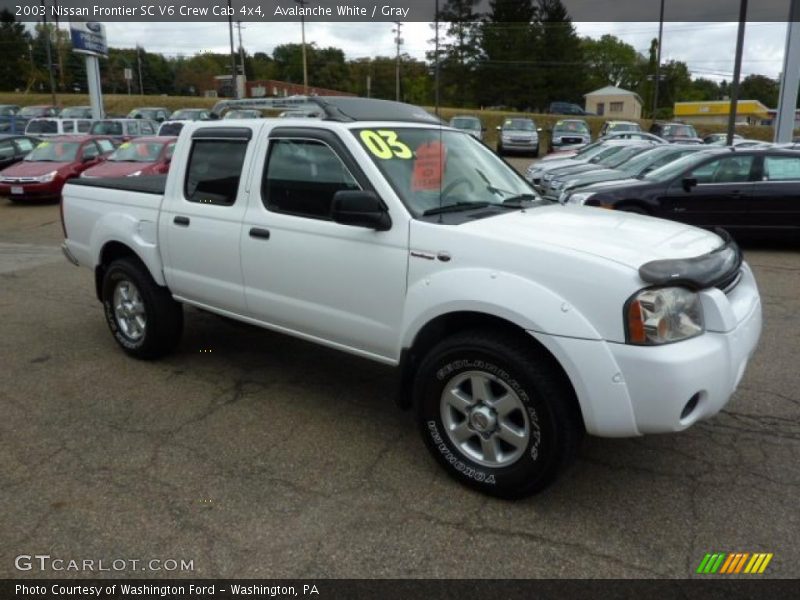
x=721 y=197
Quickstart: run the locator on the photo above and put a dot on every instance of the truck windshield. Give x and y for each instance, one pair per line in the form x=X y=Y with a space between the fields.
x=571 y=127
x=54 y=152
x=137 y=152
x=432 y=168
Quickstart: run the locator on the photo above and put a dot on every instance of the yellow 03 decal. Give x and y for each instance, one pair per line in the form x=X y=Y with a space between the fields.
x=385 y=145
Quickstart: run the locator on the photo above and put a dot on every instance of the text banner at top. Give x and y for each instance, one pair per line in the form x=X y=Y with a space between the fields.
x=384 y=10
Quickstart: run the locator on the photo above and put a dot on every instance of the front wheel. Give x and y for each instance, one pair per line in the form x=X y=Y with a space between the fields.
x=142 y=316
x=497 y=413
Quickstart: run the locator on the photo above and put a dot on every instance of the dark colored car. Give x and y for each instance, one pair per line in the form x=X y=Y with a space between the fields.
x=13 y=148
x=676 y=132
x=76 y=112
x=740 y=190
x=190 y=114
x=140 y=157
x=636 y=168
x=43 y=172
x=150 y=113
x=567 y=108
x=570 y=132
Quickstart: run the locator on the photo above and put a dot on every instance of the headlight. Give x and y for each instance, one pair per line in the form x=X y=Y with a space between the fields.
x=556 y=184
x=134 y=174
x=662 y=316
x=48 y=177
x=580 y=198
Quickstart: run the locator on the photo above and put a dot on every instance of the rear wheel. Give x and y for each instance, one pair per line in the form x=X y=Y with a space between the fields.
x=496 y=413
x=142 y=316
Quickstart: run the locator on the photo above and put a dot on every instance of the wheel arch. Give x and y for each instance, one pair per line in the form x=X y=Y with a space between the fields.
x=109 y=252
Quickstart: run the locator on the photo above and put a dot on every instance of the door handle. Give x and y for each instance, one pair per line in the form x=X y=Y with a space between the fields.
x=261 y=234
x=182 y=221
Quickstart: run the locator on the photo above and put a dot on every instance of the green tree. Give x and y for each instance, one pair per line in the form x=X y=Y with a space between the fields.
x=458 y=52
x=761 y=88
x=15 y=67
x=610 y=61
x=508 y=40
x=560 y=55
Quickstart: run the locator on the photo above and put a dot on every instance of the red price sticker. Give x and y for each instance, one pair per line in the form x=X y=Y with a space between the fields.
x=428 y=167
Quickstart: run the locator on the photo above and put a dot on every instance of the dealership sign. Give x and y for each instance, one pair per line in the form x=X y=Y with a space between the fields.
x=88 y=37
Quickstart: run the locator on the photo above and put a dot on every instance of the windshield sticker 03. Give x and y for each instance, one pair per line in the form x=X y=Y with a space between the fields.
x=428 y=167
x=385 y=145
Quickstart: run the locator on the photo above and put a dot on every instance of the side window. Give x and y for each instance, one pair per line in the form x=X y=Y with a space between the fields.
x=725 y=170
x=215 y=166
x=781 y=168
x=146 y=128
x=84 y=126
x=133 y=128
x=24 y=145
x=68 y=126
x=6 y=150
x=90 y=150
x=301 y=178
x=105 y=146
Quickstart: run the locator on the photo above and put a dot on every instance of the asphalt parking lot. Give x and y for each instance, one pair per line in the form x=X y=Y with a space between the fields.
x=257 y=455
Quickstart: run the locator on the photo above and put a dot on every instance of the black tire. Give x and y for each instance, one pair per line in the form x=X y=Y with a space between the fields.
x=550 y=410
x=163 y=316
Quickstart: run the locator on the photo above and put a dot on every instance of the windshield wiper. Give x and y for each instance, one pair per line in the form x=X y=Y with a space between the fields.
x=455 y=207
x=520 y=201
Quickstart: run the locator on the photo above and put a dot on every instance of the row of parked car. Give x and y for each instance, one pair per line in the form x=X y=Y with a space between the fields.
x=521 y=135
x=37 y=169
x=743 y=188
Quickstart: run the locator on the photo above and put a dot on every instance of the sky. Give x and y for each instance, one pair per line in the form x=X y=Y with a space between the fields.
x=708 y=48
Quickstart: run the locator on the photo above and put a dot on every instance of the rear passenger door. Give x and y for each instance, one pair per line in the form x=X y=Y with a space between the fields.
x=201 y=220
x=776 y=198
x=307 y=274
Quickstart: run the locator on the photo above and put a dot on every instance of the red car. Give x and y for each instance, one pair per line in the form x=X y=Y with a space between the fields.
x=46 y=169
x=141 y=156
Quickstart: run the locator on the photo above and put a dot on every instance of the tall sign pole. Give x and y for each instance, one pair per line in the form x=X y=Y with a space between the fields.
x=89 y=39
x=658 y=61
x=737 y=72
x=790 y=81
x=234 y=85
x=49 y=53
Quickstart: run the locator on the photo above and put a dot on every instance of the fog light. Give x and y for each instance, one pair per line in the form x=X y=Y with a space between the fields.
x=690 y=406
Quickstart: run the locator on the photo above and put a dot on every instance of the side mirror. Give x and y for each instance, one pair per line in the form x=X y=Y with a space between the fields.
x=360 y=208
x=688 y=183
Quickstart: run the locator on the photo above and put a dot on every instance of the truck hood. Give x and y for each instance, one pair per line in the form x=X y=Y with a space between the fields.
x=625 y=238
x=31 y=168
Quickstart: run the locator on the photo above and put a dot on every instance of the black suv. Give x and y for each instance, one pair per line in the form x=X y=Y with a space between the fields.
x=567 y=108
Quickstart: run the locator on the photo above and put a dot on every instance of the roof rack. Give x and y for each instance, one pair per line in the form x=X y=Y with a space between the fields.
x=345 y=109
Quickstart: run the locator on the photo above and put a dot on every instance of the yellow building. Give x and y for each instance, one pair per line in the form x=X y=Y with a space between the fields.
x=748 y=112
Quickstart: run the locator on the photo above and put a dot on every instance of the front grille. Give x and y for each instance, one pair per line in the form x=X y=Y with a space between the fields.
x=730 y=283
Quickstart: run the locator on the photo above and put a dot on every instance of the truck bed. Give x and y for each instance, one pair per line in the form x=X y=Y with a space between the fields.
x=153 y=184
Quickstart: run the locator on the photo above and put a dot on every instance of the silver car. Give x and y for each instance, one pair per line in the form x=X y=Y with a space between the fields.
x=518 y=135
x=471 y=125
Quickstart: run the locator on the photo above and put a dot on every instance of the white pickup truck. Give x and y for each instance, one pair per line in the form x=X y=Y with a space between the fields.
x=517 y=325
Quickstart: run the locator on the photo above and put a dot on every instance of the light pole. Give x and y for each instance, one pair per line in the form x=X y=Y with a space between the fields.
x=49 y=53
x=436 y=64
x=234 y=87
x=737 y=72
x=302 y=4
x=658 y=61
x=398 y=40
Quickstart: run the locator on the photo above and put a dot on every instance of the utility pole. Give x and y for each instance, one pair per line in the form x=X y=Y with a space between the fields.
x=139 y=65
x=302 y=4
x=737 y=71
x=49 y=53
x=241 y=49
x=787 y=100
x=398 y=41
x=657 y=82
x=234 y=87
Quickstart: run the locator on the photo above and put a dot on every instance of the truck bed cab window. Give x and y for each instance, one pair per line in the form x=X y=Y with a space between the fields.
x=215 y=166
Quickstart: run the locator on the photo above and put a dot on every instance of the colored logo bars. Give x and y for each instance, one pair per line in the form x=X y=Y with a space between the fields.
x=734 y=563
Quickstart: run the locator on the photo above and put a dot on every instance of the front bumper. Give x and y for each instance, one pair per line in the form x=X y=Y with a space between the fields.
x=627 y=390
x=526 y=146
x=32 y=191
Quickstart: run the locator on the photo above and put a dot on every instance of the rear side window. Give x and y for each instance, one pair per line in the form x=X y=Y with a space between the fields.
x=24 y=144
x=84 y=126
x=90 y=150
x=302 y=176
x=105 y=146
x=781 y=168
x=68 y=126
x=146 y=128
x=133 y=127
x=215 y=167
